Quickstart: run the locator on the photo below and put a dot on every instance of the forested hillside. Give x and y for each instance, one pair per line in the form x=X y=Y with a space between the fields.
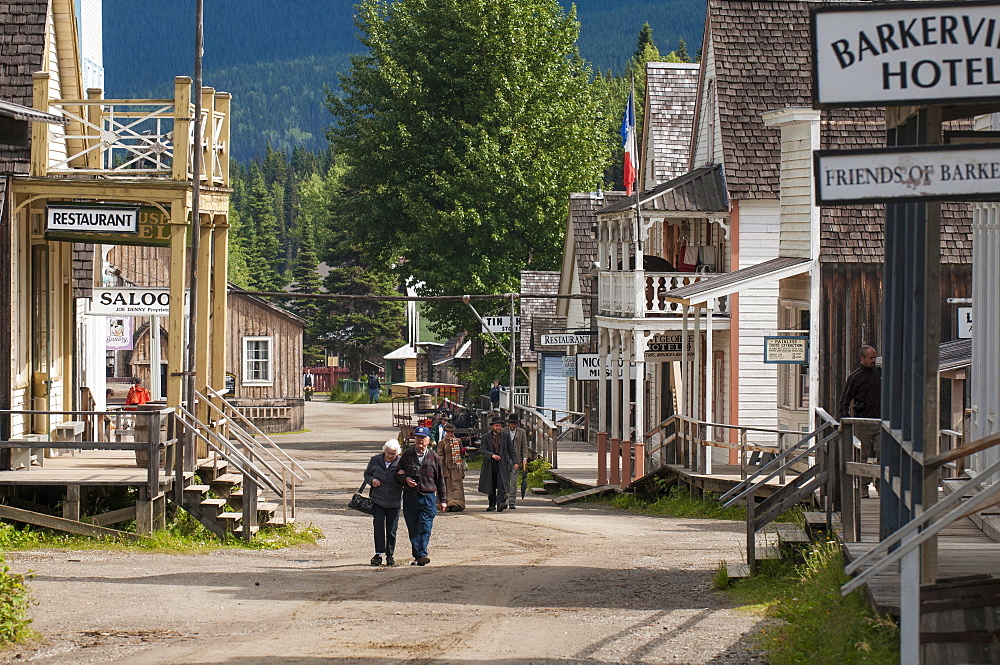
x=276 y=57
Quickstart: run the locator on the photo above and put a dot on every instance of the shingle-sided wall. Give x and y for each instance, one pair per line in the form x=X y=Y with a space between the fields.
x=22 y=50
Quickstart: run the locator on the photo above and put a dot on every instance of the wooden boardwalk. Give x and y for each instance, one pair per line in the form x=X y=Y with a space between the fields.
x=88 y=467
x=578 y=468
x=963 y=550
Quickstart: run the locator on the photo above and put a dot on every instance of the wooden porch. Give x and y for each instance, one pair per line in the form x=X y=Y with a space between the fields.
x=963 y=551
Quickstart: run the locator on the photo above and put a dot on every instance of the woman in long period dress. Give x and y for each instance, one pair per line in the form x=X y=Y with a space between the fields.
x=450 y=451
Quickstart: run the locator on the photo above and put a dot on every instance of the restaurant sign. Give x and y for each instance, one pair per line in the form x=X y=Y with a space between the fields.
x=906 y=53
x=151 y=228
x=925 y=173
x=78 y=218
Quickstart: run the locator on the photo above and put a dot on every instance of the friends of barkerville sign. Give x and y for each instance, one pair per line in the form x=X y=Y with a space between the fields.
x=906 y=53
x=965 y=172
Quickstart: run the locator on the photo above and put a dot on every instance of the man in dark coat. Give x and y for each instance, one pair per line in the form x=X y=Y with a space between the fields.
x=519 y=440
x=862 y=398
x=498 y=460
x=424 y=492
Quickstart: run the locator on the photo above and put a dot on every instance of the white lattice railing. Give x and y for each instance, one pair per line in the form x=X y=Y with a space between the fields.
x=135 y=138
x=617 y=293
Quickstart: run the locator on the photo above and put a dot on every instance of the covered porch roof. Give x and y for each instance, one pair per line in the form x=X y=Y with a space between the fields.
x=731 y=282
x=698 y=193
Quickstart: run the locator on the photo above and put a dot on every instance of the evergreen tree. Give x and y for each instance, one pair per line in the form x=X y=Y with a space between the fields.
x=264 y=246
x=460 y=165
x=644 y=41
x=682 y=51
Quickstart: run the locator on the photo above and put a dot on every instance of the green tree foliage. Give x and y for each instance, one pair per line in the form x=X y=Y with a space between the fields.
x=464 y=129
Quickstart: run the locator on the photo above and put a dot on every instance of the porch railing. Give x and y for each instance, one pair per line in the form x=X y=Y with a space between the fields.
x=545 y=433
x=133 y=138
x=628 y=293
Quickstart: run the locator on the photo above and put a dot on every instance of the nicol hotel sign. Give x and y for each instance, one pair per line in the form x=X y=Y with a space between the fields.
x=906 y=53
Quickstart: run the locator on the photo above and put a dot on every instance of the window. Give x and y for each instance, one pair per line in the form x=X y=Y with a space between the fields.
x=258 y=364
x=793 y=380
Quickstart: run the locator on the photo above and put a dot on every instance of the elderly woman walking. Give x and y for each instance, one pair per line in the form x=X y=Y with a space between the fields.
x=387 y=497
x=450 y=451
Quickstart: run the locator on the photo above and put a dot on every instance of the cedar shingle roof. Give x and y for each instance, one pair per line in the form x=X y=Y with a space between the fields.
x=703 y=190
x=536 y=281
x=583 y=209
x=671 y=91
x=22 y=48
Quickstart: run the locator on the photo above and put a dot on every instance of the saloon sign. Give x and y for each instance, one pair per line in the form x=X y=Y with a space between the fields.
x=130 y=302
x=906 y=53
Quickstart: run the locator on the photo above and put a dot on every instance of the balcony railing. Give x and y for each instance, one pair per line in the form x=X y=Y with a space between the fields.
x=632 y=294
x=132 y=138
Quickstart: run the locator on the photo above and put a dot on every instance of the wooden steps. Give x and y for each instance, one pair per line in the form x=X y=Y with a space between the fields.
x=593 y=491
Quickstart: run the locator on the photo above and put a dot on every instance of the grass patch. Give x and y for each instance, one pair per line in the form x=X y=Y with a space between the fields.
x=14 y=603
x=349 y=398
x=184 y=534
x=816 y=624
x=675 y=501
x=475 y=464
x=538 y=472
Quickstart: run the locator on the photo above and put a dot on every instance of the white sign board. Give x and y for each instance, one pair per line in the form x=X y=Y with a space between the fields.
x=589 y=366
x=905 y=53
x=666 y=347
x=119 y=334
x=569 y=367
x=947 y=173
x=501 y=324
x=92 y=219
x=965 y=323
x=129 y=301
x=786 y=350
x=563 y=339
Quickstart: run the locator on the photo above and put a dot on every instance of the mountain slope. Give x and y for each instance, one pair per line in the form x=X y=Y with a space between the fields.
x=276 y=57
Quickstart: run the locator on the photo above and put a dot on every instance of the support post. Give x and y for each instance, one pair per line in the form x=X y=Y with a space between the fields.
x=752 y=532
x=71 y=506
x=602 y=458
x=616 y=451
x=626 y=464
x=640 y=459
x=144 y=513
x=249 y=520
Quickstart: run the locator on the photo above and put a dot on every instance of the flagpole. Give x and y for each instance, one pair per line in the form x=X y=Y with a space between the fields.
x=638 y=170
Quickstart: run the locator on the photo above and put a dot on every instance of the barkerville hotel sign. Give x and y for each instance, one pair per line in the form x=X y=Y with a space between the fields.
x=906 y=53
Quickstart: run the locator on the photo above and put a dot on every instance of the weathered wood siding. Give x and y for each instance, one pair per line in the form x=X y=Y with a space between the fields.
x=265 y=404
x=852 y=316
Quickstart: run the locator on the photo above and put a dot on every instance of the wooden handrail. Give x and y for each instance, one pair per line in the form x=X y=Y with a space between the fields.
x=964 y=450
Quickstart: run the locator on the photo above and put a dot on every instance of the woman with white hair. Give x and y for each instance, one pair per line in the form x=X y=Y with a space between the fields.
x=387 y=497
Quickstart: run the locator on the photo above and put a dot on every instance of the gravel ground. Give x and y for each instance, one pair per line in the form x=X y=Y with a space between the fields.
x=543 y=584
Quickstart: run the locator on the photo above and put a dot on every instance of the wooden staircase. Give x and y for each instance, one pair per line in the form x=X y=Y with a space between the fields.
x=247 y=482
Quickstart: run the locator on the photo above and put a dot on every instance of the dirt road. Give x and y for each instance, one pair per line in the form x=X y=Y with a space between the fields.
x=543 y=584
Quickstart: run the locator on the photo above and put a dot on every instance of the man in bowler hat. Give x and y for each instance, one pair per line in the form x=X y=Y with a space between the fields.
x=498 y=459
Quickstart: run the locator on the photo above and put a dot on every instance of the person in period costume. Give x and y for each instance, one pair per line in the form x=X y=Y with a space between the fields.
x=498 y=457
x=438 y=432
x=453 y=463
x=519 y=440
x=424 y=493
x=495 y=395
x=382 y=474
x=862 y=398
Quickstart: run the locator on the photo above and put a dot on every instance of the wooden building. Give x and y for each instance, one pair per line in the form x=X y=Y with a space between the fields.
x=264 y=363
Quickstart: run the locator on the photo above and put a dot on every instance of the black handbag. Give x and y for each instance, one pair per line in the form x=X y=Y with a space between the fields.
x=361 y=502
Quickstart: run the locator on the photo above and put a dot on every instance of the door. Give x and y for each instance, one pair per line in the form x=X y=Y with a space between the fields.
x=553 y=383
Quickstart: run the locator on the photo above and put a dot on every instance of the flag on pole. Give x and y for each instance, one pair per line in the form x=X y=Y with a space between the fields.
x=628 y=142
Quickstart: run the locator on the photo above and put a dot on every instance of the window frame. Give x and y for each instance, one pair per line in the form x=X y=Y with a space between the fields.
x=268 y=362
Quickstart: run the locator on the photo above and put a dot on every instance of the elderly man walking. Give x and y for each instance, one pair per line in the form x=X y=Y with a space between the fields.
x=519 y=440
x=498 y=457
x=424 y=493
